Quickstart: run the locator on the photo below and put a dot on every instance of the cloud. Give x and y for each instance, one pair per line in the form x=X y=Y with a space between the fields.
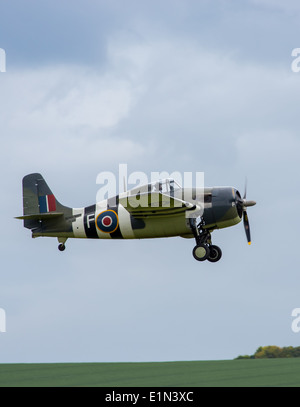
x=152 y=97
x=66 y=96
x=288 y=6
x=64 y=115
x=278 y=148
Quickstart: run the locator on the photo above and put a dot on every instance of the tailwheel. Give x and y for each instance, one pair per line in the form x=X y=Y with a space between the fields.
x=61 y=247
x=215 y=253
x=201 y=252
x=62 y=241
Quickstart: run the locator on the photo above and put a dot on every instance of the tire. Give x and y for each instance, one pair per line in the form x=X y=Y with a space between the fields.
x=201 y=252
x=215 y=254
x=61 y=247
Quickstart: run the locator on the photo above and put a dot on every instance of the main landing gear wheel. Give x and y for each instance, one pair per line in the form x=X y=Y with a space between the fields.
x=201 y=252
x=61 y=247
x=204 y=250
x=215 y=253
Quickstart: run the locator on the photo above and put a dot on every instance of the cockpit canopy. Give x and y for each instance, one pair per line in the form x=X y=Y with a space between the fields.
x=165 y=186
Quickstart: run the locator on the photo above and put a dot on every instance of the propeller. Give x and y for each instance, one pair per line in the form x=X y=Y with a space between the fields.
x=242 y=204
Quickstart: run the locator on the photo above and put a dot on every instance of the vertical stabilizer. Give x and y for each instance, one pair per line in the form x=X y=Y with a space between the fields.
x=39 y=202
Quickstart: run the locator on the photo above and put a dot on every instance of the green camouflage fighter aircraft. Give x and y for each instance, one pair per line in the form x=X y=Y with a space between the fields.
x=158 y=209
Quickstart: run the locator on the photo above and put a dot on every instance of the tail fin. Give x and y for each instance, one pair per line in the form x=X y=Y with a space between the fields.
x=39 y=203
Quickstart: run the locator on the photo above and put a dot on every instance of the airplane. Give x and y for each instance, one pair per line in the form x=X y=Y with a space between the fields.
x=156 y=210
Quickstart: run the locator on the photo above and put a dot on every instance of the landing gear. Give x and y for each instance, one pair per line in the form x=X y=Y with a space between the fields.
x=204 y=249
x=62 y=241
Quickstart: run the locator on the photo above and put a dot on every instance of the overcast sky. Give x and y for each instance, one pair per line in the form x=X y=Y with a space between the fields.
x=161 y=86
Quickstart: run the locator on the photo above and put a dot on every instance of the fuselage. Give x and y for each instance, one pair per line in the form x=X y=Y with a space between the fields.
x=110 y=219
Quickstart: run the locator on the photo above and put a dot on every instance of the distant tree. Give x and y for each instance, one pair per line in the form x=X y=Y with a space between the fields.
x=268 y=352
x=290 y=352
x=264 y=352
x=244 y=357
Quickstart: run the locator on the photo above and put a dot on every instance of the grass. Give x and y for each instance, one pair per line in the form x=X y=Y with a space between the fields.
x=228 y=373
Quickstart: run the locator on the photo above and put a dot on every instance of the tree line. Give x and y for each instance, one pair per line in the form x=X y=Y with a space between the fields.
x=264 y=352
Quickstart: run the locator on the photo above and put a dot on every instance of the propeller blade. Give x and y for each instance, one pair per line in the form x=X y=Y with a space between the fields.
x=247 y=227
x=242 y=204
x=245 y=193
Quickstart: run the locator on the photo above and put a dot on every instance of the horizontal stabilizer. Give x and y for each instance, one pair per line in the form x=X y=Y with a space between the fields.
x=40 y=216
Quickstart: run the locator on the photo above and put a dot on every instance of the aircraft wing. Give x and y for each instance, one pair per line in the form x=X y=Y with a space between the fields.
x=154 y=204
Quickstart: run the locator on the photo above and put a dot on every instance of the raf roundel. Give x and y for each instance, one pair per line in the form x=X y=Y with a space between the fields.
x=107 y=221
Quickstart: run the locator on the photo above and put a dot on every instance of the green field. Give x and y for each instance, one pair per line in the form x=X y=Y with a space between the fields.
x=234 y=373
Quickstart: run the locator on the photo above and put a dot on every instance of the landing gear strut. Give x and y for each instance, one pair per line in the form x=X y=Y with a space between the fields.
x=204 y=249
